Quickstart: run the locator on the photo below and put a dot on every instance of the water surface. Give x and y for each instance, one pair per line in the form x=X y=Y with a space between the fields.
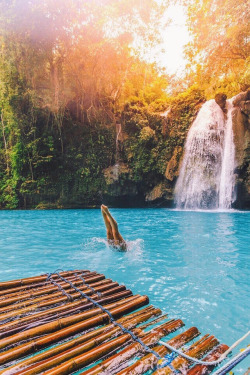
x=193 y=265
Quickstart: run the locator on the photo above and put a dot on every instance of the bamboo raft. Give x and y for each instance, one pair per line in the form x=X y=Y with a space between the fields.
x=47 y=326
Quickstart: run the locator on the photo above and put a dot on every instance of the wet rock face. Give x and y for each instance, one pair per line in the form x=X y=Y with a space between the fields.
x=121 y=190
x=161 y=195
x=172 y=169
x=245 y=107
x=221 y=100
x=241 y=128
x=241 y=97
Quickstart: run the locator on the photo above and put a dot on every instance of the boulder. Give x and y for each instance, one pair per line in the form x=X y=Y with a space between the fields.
x=160 y=195
x=221 y=100
x=245 y=107
x=120 y=189
x=172 y=169
x=156 y=193
x=242 y=96
x=114 y=173
x=240 y=129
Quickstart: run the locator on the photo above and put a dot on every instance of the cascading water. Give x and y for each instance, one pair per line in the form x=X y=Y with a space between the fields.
x=207 y=179
x=118 y=140
x=227 y=182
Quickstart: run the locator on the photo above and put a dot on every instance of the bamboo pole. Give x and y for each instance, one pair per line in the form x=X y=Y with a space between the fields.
x=43 y=284
x=31 y=280
x=51 y=311
x=32 y=308
x=28 y=289
x=81 y=345
x=127 y=321
x=56 y=361
x=9 y=302
x=39 y=315
x=48 y=284
x=33 y=292
x=54 y=311
x=197 y=350
x=213 y=356
x=133 y=349
x=116 y=289
x=123 y=307
x=91 y=356
x=150 y=361
x=154 y=321
x=85 y=359
x=27 y=298
x=42 y=305
x=53 y=326
x=43 y=301
x=69 y=311
x=26 y=281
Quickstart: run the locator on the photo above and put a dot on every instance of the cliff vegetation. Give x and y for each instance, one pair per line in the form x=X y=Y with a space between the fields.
x=85 y=119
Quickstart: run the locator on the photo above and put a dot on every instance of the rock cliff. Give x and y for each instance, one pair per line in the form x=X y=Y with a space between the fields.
x=122 y=189
x=241 y=127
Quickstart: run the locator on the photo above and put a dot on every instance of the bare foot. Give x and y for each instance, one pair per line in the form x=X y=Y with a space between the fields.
x=104 y=208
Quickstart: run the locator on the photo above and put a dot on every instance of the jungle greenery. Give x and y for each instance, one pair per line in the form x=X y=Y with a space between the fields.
x=69 y=71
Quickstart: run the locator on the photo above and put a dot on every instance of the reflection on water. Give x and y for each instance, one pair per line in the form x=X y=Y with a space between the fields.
x=208 y=267
x=193 y=265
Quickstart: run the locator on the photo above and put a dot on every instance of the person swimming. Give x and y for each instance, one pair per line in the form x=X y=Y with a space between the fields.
x=113 y=235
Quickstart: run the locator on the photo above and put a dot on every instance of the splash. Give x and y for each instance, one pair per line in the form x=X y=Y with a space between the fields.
x=207 y=179
x=100 y=244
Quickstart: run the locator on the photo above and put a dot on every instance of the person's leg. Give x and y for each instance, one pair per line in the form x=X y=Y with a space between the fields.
x=116 y=234
x=110 y=236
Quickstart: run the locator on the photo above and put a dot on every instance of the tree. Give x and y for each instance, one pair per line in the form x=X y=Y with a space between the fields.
x=78 y=50
x=219 y=51
x=66 y=70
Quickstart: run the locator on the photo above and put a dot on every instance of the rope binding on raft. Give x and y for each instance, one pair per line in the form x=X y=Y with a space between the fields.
x=236 y=359
x=134 y=337
x=167 y=360
x=67 y=321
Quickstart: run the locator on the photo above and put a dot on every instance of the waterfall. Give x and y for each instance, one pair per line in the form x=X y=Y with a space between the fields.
x=118 y=141
x=207 y=179
x=227 y=182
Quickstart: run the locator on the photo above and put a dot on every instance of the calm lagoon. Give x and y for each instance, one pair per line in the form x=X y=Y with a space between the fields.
x=193 y=265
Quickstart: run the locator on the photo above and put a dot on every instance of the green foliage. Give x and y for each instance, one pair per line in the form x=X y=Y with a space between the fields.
x=53 y=160
x=219 y=50
x=70 y=71
x=66 y=69
x=183 y=109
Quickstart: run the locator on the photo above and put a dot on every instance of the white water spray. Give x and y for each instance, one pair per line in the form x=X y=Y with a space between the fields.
x=118 y=139
x=227 y=182
x=207 y=179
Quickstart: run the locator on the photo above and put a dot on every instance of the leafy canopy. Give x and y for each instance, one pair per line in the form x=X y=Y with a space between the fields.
x=220 y=48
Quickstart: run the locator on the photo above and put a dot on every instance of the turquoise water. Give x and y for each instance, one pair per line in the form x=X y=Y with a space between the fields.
x=193 y=265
